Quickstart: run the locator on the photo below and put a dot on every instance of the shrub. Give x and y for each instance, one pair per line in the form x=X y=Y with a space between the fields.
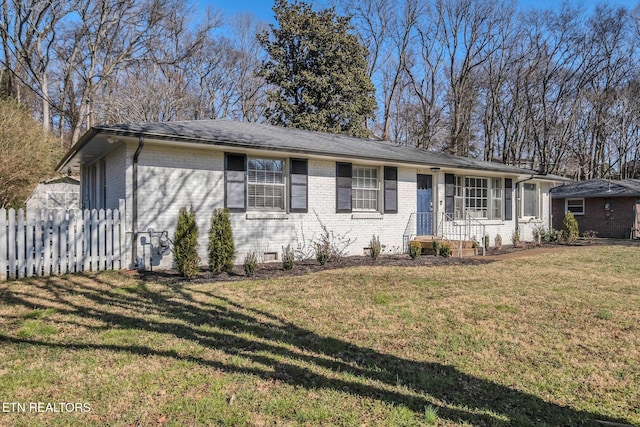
x=538 y=232
x=487 y=242
x=415 y=248
x=445 y=249
x=570 y=228
x=221 y=247
x=551 y=235
x=323 y=252
x=498 y=241
x=185 y=243
x=250 y=264
x=375 y=247
x=436 y=248
x=515 y=238
x=287 y=257
x=589 y=235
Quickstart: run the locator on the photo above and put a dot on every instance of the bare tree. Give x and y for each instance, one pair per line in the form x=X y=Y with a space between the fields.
x=470 y=33
x=28 y=30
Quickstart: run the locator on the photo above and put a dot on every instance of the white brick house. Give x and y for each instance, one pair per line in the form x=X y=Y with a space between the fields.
x=281 y=184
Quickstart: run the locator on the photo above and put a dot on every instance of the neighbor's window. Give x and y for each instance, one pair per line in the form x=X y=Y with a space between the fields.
x=365 y=186
x=265 y=182
x=530 y=200
x=63 y=200
x=575 y=206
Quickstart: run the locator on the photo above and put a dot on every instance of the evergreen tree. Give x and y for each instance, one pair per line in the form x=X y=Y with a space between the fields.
x=319 y=71
x=185 y=243
x=221 y=246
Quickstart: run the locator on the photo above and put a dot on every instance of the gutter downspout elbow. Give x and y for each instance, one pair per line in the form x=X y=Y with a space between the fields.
x=134 y=204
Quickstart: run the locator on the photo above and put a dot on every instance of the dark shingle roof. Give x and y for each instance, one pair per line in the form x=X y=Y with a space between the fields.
x=267 y=137
x=598 y=188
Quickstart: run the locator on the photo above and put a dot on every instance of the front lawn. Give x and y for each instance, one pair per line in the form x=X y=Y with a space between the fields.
x=548 y=339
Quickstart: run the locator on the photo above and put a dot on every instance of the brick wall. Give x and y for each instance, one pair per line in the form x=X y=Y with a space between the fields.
x=173 y=177
x=615 y=223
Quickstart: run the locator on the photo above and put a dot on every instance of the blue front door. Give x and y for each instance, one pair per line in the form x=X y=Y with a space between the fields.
x=425 y=205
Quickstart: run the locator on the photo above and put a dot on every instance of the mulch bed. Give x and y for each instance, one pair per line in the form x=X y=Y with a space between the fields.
x=273 y=270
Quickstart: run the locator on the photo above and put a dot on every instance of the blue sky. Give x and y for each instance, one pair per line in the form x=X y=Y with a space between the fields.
x=262 y=8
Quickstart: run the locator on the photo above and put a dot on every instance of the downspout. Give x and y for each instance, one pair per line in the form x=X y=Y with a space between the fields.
x=134 y=204
x=517 y=186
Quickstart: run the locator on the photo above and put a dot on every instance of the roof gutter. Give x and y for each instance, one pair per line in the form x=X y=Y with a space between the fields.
x=76 y=148
x=134 y=204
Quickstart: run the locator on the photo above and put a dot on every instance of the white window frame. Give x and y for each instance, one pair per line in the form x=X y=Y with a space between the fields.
x=464 y=193
x=496 y=207
x=458 y=197
x=476 y=193
x=365 y=188
x=267 y=180
x=574 y=199
x=66 y=197
x=523 y=194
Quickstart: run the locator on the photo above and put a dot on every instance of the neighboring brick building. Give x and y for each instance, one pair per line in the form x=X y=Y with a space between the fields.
x=608 y=207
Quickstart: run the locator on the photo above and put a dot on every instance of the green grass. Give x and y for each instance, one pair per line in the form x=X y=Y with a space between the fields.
x=548 y=340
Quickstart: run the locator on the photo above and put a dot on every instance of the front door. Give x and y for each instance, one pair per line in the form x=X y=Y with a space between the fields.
x=425 y=205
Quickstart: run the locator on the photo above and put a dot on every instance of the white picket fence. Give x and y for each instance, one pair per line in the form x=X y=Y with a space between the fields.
x=44 y=242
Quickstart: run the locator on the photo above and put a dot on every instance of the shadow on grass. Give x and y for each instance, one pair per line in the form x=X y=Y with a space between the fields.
x=263 y=338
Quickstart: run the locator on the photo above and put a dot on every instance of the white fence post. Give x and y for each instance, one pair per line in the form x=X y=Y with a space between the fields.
x=11 y=243
x=4 y=238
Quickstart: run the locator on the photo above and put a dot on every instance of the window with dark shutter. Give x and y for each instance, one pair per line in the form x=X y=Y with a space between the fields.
x=390 y=189
x=343 y=187
x=298 y=185
x=449 y=193
x=235 y=185
x=508 y=197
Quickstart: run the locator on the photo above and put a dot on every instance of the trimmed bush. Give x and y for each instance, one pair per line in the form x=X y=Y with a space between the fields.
x=436 y=248
x=444 y=249
x=498 y=241
x=375 y=247
x=250 y=264
x=415 y=249
x=221 y=246
x=288 y=258
x=515 y=238
x=185 y=243
x=570 y=228
x=323 y=252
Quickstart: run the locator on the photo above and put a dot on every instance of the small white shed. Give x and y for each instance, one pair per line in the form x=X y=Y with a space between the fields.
x=56 y=193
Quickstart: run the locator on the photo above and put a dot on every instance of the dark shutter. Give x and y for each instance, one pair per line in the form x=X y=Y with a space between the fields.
x=390 y=189
x=449 y=193
x=508 y=199
x=298 y=185
x=343 y=187
x=235 y=186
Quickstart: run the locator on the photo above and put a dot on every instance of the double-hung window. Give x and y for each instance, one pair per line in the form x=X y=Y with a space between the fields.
x=496 y=198
x=265 y=184
x=530 y=200
x=365 y=187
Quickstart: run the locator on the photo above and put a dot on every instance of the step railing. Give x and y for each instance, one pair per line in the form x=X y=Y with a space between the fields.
x=461 y=230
